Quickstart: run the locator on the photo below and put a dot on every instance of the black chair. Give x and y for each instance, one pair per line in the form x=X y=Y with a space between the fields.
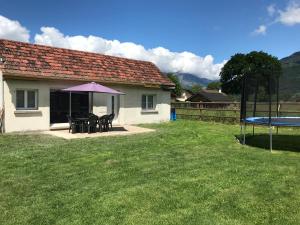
x=103 y=123
x=73 y=124
x=92 y=123
x=110 y=119
x=92 y=114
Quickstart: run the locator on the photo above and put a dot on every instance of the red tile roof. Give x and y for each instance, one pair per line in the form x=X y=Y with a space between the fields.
x=44 y=62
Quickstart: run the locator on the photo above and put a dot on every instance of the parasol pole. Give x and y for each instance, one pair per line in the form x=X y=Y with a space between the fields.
x=92 y=102
x=70 y=103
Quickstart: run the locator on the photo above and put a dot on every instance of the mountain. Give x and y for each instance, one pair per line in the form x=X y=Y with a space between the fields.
x=289 y=85
x=293 y=59
x=188 y=80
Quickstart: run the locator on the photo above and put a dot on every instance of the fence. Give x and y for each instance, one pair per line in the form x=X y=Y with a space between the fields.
x=228 y=111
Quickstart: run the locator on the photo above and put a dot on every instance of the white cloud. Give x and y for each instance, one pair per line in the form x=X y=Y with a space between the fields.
x=261 y=30
x=13 y=30
x=271 y=9
x=165 y=59
x=291 y=15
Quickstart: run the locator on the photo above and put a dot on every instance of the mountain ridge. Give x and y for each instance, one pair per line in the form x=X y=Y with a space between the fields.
x=289 y=83
x=187 y=80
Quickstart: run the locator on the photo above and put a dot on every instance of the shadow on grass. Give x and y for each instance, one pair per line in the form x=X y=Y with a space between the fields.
x=281 y=142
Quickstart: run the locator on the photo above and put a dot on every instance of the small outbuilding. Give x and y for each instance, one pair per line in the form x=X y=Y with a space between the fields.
x=185 y=94
x=32 y=78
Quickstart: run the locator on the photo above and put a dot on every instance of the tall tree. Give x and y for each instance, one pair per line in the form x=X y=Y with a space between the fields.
x=196 y=88
x=178 y=88
x=252 y=64
x=215 y=85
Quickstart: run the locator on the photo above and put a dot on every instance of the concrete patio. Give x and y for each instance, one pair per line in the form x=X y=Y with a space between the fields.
x=115 y=131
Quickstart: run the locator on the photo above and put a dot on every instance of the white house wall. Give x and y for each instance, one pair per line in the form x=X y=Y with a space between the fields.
x=100 y=103
x=23 y=120
x=130 y=106
x=129 y=112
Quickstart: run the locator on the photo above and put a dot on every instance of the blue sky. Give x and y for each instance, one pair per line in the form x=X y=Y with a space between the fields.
x=215 y=28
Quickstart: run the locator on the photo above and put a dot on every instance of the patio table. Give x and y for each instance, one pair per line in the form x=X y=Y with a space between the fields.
x=82 y=121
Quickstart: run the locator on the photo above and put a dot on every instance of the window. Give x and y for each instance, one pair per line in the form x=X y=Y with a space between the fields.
x=20 y=99
x=148 y=102
x=26 y=99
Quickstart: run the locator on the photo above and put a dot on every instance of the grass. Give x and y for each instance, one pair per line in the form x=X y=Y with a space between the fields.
x=187 y=172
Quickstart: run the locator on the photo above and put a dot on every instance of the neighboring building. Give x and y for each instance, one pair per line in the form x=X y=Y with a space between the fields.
x=185 y=94
x=32 y=76
x=209 y=96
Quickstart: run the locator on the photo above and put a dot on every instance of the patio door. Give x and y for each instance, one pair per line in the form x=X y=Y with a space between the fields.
x=60 y=105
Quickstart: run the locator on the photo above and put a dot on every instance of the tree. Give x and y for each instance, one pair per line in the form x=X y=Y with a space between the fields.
x=215 y=85
x=178 y=88
x=196 y=88
x=253 y=64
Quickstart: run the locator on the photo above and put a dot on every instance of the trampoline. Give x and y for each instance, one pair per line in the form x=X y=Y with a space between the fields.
x=275 y=121
x=260 y=102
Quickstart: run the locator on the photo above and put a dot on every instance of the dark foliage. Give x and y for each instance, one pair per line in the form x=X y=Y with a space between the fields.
x=258 y=65
x=178 y=88
x=195 y=88
x=215 y=85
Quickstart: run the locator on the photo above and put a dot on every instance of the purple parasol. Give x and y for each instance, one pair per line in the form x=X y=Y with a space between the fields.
x=93 y=87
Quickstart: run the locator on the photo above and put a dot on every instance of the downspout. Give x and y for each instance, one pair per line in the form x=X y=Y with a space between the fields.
x=2 y=100
x=2 y=92
x=2 y=61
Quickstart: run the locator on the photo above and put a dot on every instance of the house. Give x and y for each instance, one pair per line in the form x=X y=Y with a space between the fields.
x=185 y=94
x=209 y=96
x=32 y=77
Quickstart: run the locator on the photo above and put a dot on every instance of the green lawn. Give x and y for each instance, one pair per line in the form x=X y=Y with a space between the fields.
x=187 y=172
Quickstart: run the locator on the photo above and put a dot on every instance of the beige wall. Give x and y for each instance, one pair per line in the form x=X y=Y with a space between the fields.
x=130 y=106
x=129 y=112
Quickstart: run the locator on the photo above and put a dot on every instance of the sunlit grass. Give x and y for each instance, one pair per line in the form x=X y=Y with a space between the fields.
x=187 y=172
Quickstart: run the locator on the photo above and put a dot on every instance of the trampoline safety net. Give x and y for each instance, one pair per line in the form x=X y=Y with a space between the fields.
x=260 y=96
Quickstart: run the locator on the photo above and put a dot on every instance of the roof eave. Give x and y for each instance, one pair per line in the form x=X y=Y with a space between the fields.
x=167 y=87
x=25 y=76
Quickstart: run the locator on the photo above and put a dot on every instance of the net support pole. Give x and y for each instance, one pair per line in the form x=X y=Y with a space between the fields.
x=255 y=100
x=243 y=134
x=270 y=114
x=271 y=138
x=277 y=99
x=243 y=109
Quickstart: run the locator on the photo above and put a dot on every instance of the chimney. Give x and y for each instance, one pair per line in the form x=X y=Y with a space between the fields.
x=2 y=59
